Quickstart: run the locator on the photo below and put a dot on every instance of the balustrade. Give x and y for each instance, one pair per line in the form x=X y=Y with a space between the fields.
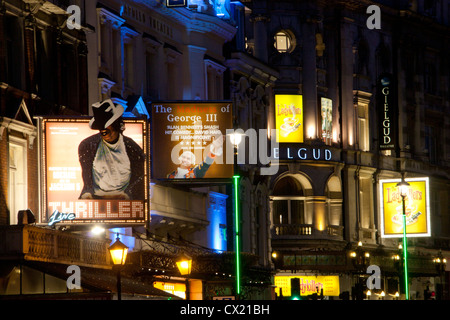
x=42 y=244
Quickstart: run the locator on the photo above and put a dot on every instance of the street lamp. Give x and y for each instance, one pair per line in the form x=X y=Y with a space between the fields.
x=236 y=139
x=403 y=188
x=184 y=264
x=118 y=253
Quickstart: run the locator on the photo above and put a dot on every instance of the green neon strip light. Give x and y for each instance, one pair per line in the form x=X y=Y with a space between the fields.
x=237 y=230
x=405 y=254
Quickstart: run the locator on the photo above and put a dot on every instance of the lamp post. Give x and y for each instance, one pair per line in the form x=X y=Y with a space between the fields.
x=440 y=263
x=403 y=188
x=118 y=253
x=236 y=139
x=184 y=265
x=360 y=260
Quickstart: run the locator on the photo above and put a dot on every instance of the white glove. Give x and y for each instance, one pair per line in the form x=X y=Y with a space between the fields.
x=216 y=146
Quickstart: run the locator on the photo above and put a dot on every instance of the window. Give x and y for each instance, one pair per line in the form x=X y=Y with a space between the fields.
x=430 y=83
x=128 y=41
x=430 y=144
x=333 y=205
x=18 y=199
x=288 y=206
x=363 y=127
x=214 y=81
x=13 y=51
x=110 y=43
x=284 y=41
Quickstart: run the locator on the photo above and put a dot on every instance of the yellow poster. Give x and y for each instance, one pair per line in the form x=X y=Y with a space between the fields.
x=308 y=285
x=416 y=208
x=289 y=118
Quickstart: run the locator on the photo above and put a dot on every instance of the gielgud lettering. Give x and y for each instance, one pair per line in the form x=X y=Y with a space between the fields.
x=386 y=120
x=302 y=154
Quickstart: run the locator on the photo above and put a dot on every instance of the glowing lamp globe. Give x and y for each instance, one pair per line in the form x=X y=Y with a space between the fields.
x=118 y=252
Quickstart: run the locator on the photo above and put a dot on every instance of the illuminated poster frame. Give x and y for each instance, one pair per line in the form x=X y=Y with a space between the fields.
x=417 y=208
x=326 y=113
x=289 y=118
x=62 y=180
x=189 y=140
x=308 y=284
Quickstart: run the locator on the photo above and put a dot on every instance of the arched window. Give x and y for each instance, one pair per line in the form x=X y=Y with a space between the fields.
x=333 y=192
x=288 y=205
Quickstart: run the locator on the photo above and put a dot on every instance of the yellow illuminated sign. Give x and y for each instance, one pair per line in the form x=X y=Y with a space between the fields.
x=416 y=208
x=308 y=285
x=175 y=288
x=289 y=118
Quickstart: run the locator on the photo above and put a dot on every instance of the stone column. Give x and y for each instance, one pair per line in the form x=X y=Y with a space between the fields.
x=260 y=36
x=310 y=108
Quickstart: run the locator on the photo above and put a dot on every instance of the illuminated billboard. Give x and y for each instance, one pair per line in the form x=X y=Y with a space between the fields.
x=85 y=181
x=308 y=285
x=417 y=208
x=289 y=118
x=188 y=140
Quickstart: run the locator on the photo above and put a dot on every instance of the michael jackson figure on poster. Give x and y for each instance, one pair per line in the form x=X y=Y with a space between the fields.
x=112 y=165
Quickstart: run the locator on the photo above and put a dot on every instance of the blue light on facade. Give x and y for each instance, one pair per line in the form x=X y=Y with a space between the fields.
x=216 y=215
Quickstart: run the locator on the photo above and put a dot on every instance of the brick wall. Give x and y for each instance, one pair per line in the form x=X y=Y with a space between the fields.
x=4 y=212
x=33 y=179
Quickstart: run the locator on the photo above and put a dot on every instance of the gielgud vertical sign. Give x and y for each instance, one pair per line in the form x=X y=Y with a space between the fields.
x=387 y=106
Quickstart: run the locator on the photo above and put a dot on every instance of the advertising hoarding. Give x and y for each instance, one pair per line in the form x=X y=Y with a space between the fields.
x=188 y=140
x=289 y=118
x=417 y=208
x=68 y=144
x=308 y=285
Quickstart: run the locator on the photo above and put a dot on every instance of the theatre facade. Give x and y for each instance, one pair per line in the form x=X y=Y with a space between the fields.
x=334 y=115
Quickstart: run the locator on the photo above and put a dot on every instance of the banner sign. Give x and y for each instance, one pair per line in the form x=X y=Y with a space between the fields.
x=289 y=118
x=308 y=285
x=74 y=157
x=188 y=140
x=387 y=106
x=417 y=208
x=326 y=111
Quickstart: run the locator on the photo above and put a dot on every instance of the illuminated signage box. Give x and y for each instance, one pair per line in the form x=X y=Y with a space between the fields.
x=417 y=208
x=289 y=118
x=308 y=285
x=188 y=140
x=67 y=176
